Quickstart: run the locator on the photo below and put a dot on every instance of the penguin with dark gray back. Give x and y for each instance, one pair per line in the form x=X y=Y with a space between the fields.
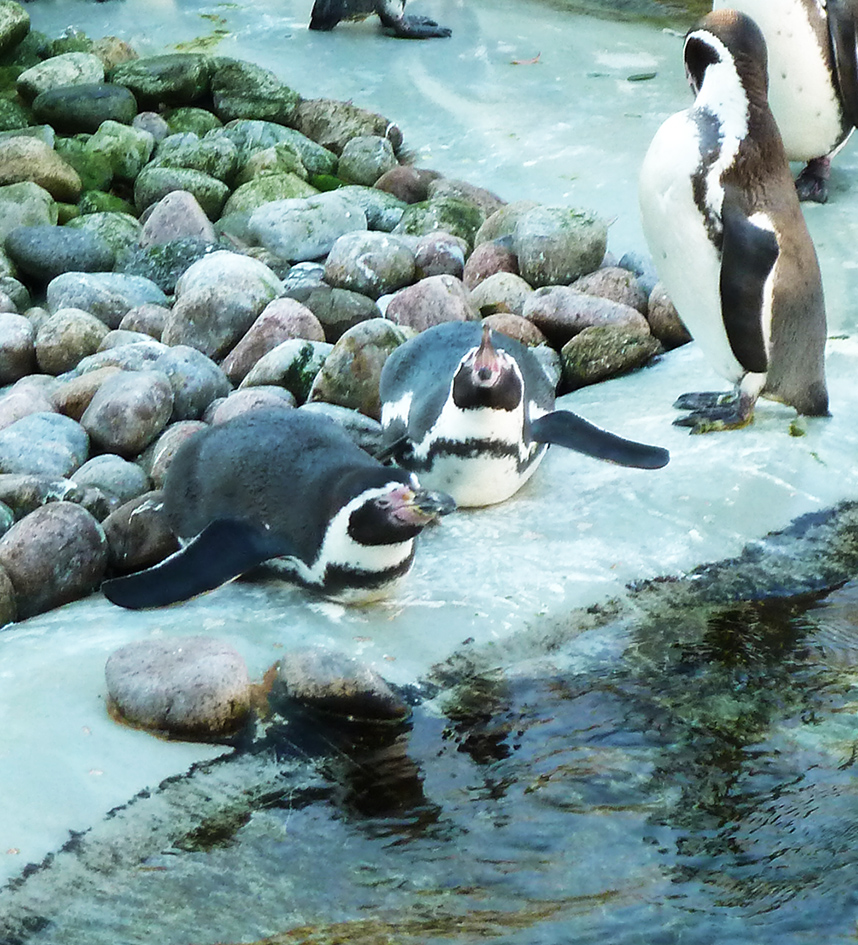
x=813 y=79
x=727 y=235
x=471 y=412
x=290 y=489
x=327 y=13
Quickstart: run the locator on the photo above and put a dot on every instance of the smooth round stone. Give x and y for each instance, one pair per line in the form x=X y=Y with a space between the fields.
x=46 y=444
x=501 y=292
x=119 y=230
x=30 y=160
x=338 y=310
x=664 y=320
x=66 y=337
x=556 y=245
x=458 y=217
x=138 y=534
x=72 y=396
x=365 y=431
x=17 y=347
x=22 y=399
x=616 y=284
x=216 y=155
x=365 y=158
x=371 y=263
x=82 y=108
x=196 y=380
x=134 y=357
x=407 y=183
x=155 y=459
x=247 y=400
x=126 y=149
x=45 y=252
x=171 y=79
x=177 y=216
x=150 y=319
x=200 y=121
x=114 y=476
x=22 y=493
x=598 y=353
x=253 y=135
x=52 y=556
x=561 y=312
x=516 y=327
x=128 y=411
x=165 y=263
x=14 y=26
x=71 y=68
x=439 y=254
x=431 y=301
x=333 y=123
x=292 y=364
x=154 y=183
x=25 y=204
x=191 y=687
x=383 y=211
x=107 y=295
x=245 y=90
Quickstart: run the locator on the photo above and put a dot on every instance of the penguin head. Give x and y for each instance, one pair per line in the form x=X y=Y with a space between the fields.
x=487 y=377
x=726 y=49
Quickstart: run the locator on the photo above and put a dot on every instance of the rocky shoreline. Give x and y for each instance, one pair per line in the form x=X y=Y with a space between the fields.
x=185 y=238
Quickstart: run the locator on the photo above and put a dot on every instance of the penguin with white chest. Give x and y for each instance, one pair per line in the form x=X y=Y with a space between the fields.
x=290 y=489
x=813 y=79
x=471 y=412
x=327 y=13
x=723 y=223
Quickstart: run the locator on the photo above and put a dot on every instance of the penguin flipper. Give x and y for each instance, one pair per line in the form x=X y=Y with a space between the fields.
x=843 y=32
x=748 y=255
x=223 y=550
x=564 y=428
x=326 y=14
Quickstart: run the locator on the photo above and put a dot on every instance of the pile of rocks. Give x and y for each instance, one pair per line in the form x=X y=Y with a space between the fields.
x=183 y=238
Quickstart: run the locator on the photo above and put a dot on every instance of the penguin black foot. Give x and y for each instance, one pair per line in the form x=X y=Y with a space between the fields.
x=712 y=411
x=416 y=27
x=812 y=183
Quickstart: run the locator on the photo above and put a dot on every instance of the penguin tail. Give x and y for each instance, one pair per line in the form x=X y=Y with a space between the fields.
x=564 y=428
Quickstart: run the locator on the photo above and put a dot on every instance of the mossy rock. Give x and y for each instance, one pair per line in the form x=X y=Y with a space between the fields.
x=450 y=214
x=93 y=167
x=200 y=121
x=262 y=190
x=13 y=115
x=98 y=201
x=73 y=41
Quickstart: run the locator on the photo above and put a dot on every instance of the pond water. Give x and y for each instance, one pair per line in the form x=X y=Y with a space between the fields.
x=589 y=758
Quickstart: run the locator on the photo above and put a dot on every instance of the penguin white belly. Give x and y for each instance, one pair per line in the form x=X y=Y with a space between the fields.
x=687 y=261
x=479 y=480
x=802 y=95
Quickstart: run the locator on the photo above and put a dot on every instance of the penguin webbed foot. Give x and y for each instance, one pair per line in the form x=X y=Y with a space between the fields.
x=713 y=411
x=416 y=27
x=811 y=185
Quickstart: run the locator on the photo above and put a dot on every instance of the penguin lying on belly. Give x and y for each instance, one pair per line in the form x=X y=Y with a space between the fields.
x=327 y=13
x=813 y=72
x=472 y=414
x=292 y=489
x=724 y=226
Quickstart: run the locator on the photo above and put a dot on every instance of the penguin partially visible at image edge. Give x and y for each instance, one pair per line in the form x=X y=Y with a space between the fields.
x=327 y=13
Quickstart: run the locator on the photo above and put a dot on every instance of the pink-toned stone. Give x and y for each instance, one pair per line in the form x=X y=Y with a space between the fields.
x=22 y=399
x=148 y=318
x=440 y=254
x=407 y=183
x=616 y=284
x=156 y=459
x=247 y=399
x=514 y=326
x=72 y=397
x=431 y=302
x=486 y=260
x=176 y=216
x=561 y=313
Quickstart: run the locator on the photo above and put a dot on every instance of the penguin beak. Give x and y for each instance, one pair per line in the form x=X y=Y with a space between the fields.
x=420 y=506
x=487 y=367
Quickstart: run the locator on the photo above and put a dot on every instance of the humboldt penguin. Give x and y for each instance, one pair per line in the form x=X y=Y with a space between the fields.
x=813 y=79
x=293 y=490
x=471 y=412
x=327 y=13
x=727 y=235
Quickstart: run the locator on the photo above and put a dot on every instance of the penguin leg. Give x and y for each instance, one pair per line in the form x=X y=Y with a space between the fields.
x=812 y=183
x=223 y=550
x=564 y=428
x=414 y=27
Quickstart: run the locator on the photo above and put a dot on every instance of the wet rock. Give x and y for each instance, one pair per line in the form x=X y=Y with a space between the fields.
x=138 y=534
x=333 y=124
x=430 y=302
x=217 y=300
x=371 y=263
x=25 y=204
x=305 y=229
x=351 y=372
x=107 y=295
x=410 y=184
x=165 y=263
x=514 y=326
x=364 y=430
x=45 y=252
x=72 y=68
x=189 y=687
x=66 y=337
x=17 y=348
x=501 y=292
x=172 y=79
x=453 y=215
x=365 y=158
x=14 y=25
x=52 y=556
x=281 y=320
x=598 y=353
x=248 y=399
x=43 y=444
x=22 y=494
x=245 y=90
x=293 y=364
x=616 y=284
x=72 y=396
x=154 y=183
x=195 y=379
x=128 y=411
x=21 y=400
x=114 y=476
x=28 y=159
x=215 y=155
x=155 y=459
x=82 y=108
x=439 y=254
x=556 y=245
x=178 y=215
x=119 y=231
x=333 y=682
x=664 y=320
x=149 y=319
x=338 y=310
x=250 y=136
x=560 y=312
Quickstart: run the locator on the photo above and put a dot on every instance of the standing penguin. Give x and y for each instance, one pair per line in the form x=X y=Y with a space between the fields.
x=472 y=413
x=292 y=489
x=727 y=236
x=327 y=13
x=813 y=79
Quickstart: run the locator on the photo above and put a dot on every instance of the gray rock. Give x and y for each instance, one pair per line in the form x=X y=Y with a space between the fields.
x=128 y=411
x=306 y=228
x=138 y=534
x=66 y=337
x=217 y=300
x=453 y=215
x=281 y=320
x=487 y=201
x=17 y=348
x=501 y=292
x=556 y=245
x=52 y=556
x=196 y=381
x=334 y=123
x=149 y=319
x=21 y=400
x=165 y=263
x=430 y=302
x=23 y=494
x=351 y=372
x=365 y=431
x=338 y=310
x=155 y=459
x=82 y=108
x=152 y=122
x=120 y=231
x=302 y=279
x=14 y=25
x=664 y=320
x=72 y=68
x=192 y=687
x=280 y=158
x=616 y=284
x=371 y=263
x=250 y=136
x=45 y=252
x=43 y=444
x=25 y=204
x=248 y=399
x=293 y=364
x=178 y=215
x=171 y=79
x=107 y=295
x=561 y=312
x=28 y=159
x=383 y=211
x=113 y=475
x=551 y=363
x=440 y=254
x=245 y=90
x=214 y=155
x=154 y=183
x=365 y=158
x=16 y=292
x=642 y=267
x=598 y=353
x=265 y=189
x=501 y=224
